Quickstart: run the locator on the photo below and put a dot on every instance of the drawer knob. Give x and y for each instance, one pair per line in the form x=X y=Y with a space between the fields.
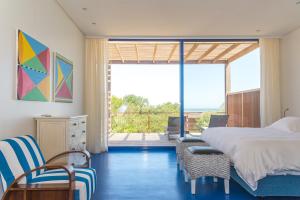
x=73 y=135
x=83 y=122
x=74 y=124
x=83 y=142
x=83 y=131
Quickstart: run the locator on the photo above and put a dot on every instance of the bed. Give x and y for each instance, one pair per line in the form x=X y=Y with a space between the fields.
x=265 y=161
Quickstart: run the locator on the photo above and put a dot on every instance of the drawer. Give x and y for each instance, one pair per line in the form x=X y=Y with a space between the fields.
x=77 y=135
x=79 y=145
x=81 y=133
x=74 y=124
x=82 y=122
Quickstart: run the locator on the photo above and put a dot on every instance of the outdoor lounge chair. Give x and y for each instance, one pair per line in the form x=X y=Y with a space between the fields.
x=217 y=121
x=174 y=126
x=26 y=175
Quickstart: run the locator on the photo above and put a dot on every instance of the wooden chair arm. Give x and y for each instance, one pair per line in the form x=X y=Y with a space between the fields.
x=15 y=186
x=85 y=153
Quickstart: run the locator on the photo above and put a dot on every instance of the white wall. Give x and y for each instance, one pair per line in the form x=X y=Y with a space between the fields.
x=45 y=21
x=290 y=72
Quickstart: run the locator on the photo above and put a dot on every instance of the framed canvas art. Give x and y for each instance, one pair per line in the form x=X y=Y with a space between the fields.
x=63 y=79
x=33 y=65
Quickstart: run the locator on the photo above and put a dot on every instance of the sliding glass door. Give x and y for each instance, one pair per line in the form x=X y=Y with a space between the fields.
x=171 y=86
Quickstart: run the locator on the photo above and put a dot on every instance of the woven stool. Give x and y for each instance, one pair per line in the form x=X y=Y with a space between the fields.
x=182 y=143
x=206 y=161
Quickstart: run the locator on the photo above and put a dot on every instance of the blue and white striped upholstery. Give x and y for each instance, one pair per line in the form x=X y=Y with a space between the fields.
x=22 y=154
x=85 y=180
x=17 y=156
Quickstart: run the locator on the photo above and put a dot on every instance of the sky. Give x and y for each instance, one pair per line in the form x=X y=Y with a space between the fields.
x=203 y=84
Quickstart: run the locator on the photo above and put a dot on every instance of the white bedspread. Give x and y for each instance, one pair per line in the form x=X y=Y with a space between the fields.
x=257 y=152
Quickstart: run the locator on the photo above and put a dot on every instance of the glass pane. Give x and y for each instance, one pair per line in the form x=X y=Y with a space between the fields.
x=204 y=87
x=145 y=92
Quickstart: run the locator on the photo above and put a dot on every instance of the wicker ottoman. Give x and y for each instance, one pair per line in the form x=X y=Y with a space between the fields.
x=206 y=161
x=182 y=143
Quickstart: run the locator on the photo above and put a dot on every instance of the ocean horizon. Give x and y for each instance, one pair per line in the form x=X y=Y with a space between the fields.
x=201 y=109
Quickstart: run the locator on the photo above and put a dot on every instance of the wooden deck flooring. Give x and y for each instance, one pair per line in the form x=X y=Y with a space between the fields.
x=141 y=139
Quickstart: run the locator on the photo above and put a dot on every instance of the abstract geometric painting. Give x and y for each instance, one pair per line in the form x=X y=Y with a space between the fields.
x=63 y=79
x=33 y=69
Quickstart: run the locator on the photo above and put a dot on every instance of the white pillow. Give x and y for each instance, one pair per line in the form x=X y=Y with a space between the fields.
x=289 y=124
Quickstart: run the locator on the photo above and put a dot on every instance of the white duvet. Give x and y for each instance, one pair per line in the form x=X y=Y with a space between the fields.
x=257 y=152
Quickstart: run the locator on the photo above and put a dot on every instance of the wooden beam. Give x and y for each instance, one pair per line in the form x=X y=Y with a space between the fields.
x=213 y=47
x=194 y=47
x=227 y=84
x=243 y=52
x=154 y=53
x=137 y=53
x=172 y=52
x=118 y=50
x=166 y=62
x=226 y=51
x=227 y=78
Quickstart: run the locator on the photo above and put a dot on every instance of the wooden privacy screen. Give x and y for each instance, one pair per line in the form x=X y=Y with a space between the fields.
x=243 y=109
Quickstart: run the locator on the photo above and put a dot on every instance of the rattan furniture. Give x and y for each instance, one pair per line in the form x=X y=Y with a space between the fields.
x=182 y=143
x=206 y=161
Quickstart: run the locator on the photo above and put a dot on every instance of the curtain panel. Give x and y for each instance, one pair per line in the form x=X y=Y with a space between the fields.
x=95 y=104
x=270 y=106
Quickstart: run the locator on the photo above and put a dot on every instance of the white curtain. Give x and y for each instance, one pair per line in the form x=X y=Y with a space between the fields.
x=96 y=63
x=270 y=106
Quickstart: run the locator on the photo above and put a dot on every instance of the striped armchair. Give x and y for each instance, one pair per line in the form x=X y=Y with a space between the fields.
x=26 y=175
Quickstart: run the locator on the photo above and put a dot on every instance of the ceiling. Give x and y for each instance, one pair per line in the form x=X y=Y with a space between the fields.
x=184 y=18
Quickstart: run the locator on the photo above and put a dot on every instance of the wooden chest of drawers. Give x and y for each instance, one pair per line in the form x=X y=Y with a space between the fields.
x=58 y=134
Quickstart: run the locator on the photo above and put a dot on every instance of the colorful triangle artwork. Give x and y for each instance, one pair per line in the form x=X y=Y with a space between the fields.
x=34 y=95
x=34 y=75
x=63 y=79
x=65 y=68
x=25 y=84
x=59 y=76
x=43 y=87
x=69 y=82
x=35 y=64
x=33 y=69
x=36 y=46
x=45 y=59
x=64 y=91
x=24 y=49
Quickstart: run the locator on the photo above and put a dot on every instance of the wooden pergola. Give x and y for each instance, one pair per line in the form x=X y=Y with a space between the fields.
x=137 y=52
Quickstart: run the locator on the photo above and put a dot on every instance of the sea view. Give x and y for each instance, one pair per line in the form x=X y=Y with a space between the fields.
x=201 y=110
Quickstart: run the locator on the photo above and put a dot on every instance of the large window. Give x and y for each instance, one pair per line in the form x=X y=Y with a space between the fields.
x=155 y=81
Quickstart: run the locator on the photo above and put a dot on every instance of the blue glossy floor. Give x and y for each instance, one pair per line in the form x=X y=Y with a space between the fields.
x=151 y=174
